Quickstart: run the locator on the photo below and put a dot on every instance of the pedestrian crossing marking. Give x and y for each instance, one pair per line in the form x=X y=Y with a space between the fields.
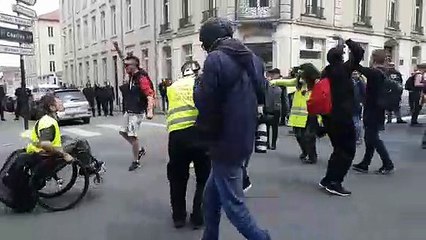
x=81 y=132
x=111 y=126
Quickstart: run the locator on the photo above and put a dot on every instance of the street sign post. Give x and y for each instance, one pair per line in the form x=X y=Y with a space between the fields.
x=28 y=12
x=15 y=35
x=16 y=50
x=15 y=20
x=28 y=2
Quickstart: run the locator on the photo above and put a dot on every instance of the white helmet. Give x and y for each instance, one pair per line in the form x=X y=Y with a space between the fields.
x=190 y=68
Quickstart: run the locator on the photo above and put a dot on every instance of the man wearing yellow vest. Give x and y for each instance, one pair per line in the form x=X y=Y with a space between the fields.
x=184 y=148
x=305 y=125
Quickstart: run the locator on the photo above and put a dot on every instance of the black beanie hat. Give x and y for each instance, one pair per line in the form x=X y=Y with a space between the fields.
x=335 y=55
x=213 y=29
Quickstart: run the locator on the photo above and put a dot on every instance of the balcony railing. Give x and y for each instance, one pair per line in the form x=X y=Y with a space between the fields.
x=418 y=29
x=209 y=14
x=164 y=28
x=185 y=22
x=393 y=24
x=270 y=10
x=363 y=21
x=314 y=11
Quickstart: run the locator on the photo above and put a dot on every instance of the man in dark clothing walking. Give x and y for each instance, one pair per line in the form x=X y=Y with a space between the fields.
x=416 y=94
x=109 y=98
x=98 y=98
x=374 y=116
x=396 y=76
x=89 y=93
x=339 y=124
x=162 y=87
x=124 y=89
x=2 y=102
x=231 y=72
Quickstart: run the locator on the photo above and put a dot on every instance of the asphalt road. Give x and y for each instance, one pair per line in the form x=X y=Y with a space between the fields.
x=284 y=198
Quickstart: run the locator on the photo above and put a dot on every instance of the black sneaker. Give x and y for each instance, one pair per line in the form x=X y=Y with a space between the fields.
x=385 y=170
x=400 y=121
x=141 y=153
x=134 y=166
x=303 y=156
x=196 y=221
x=337 y=189
x=309 y=161
x=179 y=223
x=246 y=184
x=323 y=183
x=360 y=168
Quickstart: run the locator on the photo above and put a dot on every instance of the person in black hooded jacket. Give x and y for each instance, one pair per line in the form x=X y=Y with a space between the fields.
x=339 y=124
x=227 y=99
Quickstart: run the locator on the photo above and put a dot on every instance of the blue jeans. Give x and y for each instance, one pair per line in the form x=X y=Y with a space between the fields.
x=358 y=127
x=224 y=189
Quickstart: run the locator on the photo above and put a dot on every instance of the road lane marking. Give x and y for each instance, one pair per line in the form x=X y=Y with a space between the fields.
x=81 y=132
x=110 y=126
x=154 y=124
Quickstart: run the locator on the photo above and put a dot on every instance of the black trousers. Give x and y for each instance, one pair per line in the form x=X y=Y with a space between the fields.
x=343 y=139
x=99 y=105
x=397 y=112
x=184 y=149
x=424 y=140
x=92 y=107
x=416 y=106
x=306 y=137
x=111 y=106
x=164 y=103
x=274 y=124
x=374 y=143
x=1 y=110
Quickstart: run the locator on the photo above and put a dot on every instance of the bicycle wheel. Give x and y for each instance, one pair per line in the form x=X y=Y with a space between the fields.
x=72 y=196
x=61 y=190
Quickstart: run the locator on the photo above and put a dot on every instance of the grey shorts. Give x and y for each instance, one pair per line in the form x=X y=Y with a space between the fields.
x=132 y=123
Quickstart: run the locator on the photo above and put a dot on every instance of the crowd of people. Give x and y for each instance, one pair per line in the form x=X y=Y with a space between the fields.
x=233 y=87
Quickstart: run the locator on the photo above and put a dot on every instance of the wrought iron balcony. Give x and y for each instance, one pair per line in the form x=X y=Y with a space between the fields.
x=364 y=21
x=185 y=22
x=314 y=11
x=418 y=29
x=164 y=28
x=209 y=14
x=393 y=24
x=258 y=9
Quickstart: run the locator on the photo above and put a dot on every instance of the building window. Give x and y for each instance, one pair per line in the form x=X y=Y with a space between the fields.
x=77 y=5
x=314 y=8
x=88 y=69
x=63 y=9
x=103 y=27
x=79 y=34
x=71 y=42
x=86 y=32
x=166 y=11
x=187 y=52
x=144 y=12
x=72 y=73
x=51 y=49
x=94 y=36
x=312 y=51
x=258 y=3
x=50 y=31
x=52 y=66
x=129 y=15
x=95 y=71
x=84 y=4
x=80 y=73
x=393 y=14
x=145 y=59
x=104 y=69
x=185 y=8
x=362 y=16
x=418 y=16
x=64 y=39
x=113 y=21
x=167 y=52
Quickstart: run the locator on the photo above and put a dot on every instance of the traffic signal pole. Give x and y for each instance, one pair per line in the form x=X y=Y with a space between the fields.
x=24 y=110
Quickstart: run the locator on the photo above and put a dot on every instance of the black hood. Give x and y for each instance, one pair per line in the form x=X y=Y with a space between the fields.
x=237 y=50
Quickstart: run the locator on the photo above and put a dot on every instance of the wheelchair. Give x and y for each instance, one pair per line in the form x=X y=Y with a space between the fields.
x=66 y=193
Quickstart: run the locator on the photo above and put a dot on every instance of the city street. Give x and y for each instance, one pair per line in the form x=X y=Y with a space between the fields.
x=285 y=197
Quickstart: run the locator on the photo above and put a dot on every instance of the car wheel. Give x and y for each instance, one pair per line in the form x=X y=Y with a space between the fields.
x=86 y=120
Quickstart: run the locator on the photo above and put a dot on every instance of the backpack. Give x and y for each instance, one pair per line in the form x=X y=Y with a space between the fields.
x=272 y=99
x=409 y=84
x=319 y=102
x=390 y=93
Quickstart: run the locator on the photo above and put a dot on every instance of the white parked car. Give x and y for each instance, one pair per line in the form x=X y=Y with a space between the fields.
x=76 y=106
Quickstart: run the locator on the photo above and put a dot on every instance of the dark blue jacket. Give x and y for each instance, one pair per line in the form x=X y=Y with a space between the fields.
x=227 y=98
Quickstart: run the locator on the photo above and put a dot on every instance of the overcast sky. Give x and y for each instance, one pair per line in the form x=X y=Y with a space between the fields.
x=41 y=7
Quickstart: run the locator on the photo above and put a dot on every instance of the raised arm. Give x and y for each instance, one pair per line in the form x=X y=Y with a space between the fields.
x=282 y=82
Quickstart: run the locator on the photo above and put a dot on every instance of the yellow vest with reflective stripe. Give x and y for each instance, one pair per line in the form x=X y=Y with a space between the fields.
x=45 y=122
x=182 y=112
x=299 y=110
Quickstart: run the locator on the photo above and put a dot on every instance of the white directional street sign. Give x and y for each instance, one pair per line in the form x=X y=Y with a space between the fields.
x=28 y=2
x=15 y=20
x=28 y=12
x=16 y=50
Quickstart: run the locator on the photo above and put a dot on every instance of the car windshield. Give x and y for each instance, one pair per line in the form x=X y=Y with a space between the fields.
x=73 y=96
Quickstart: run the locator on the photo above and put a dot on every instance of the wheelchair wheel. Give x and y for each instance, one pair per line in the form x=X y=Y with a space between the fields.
x=64 y=188
x=72 y=194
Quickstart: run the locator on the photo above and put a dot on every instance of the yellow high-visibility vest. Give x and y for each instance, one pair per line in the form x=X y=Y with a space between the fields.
x=45 y=122
x=299 y=109
x=182 y=113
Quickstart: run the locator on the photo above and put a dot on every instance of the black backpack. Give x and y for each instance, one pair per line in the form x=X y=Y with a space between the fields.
x=409 y=84
x=390 y=93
